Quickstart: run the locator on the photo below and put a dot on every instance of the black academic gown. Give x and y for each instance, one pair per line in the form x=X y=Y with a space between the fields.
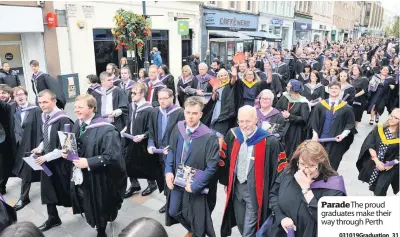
x=55 y=189
x=203 y=154
x=283 y=70
x=274 y=118
x=105 y=183
x=269 y=160
x=366 y=166
x=343 y=119
x=191 y=82
x=303 y=77
x=313 y=93
x=360 y=103
x=154 y=89
x=119 y=101
x=350 y=92
x=139 y=163
x=7 y=147
x=315 y=65
x=127 y=89
x=299 y=66
x=287 y=200
x=45 y=81
x=245 y=93
x=295 y=129
x=228 y=110
x=28 y=137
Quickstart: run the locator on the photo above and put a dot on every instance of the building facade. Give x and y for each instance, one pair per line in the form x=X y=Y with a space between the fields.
x=346 y=18
x=373 y=17
x=224 y=28
x=302 y=27
x=277 y=17
x=322 y=22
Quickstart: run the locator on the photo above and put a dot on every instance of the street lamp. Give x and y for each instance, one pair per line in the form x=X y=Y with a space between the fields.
x=146 y=57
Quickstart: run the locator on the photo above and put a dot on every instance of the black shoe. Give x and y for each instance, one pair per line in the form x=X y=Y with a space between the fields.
x=47 y=225
x=149 y=190
x=21 y=204
x=101 y=234
x=163 y=209
x=371 y=122
x=131 y=191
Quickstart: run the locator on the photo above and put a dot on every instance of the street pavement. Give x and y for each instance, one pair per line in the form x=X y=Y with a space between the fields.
x=138 y=206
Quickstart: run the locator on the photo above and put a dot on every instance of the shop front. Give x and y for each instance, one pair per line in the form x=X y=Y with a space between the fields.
x=302 y=33
x=321 y=31
x=21 y=40
x=281 y=27
x=221 y=28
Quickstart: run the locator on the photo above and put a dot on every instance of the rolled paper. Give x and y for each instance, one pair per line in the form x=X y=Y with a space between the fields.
x=391 y=163
x=158 y=151
x=207 y=93
x=182 y=89
x=72 y=156
x=129 y=136
x=290 y=232
x=67 y=127
x=345 y=98
x=331 y=139
x=313 y=101
x=45 y=168
x=356 y=103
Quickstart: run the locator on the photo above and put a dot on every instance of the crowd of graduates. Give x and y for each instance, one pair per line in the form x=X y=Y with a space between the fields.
x=271 y=127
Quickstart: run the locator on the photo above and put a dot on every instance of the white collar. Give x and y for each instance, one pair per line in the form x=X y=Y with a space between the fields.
x=88 y=121
x=194 y=128
x=55 y=110
x=141 y=102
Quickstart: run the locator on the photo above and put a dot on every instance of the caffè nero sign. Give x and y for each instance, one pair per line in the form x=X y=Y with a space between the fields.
x=218 y=19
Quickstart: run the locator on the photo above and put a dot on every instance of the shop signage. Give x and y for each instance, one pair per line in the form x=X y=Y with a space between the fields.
x=218 y=19
x=9 y=56
x=183 y=27
x=300 y=26
x=322 y=27
x=276 y=21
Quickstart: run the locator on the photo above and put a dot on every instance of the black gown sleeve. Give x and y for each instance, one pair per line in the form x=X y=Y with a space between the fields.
x=225 y=156
x=313 y=204
x=55 y=87
x=274 y=197
x=303 y=117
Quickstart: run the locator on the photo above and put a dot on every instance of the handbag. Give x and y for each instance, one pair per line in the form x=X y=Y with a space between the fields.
x=263 y=231
x=8 y=215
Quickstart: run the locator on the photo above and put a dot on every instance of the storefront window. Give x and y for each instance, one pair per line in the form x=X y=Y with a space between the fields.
x=160 y=40
x=302 y=37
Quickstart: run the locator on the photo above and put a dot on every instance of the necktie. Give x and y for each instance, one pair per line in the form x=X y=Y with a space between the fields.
x=136 y=107
x=19 y=112
x=332 y=107
x=242 y=162
x=186 y=145
x=46 y=140
x=150 y=91
x=82 y=129
x=164 y=124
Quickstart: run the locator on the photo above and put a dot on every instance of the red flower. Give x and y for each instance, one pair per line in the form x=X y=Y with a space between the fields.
x=122 y=44
x=140 y=45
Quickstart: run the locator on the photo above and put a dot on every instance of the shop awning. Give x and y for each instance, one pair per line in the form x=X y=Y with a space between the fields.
x=18 y=19
x=259 y=35
x=229 y=34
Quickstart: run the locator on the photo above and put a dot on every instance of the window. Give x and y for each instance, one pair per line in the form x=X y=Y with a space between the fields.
x=263 y=27
x=249 y=6
x=232 y=4
x=213 y=3
x=274 y=6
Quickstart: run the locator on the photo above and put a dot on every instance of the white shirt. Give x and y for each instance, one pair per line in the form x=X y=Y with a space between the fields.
x=55 y=154
x=23 y=113
x=109 y=103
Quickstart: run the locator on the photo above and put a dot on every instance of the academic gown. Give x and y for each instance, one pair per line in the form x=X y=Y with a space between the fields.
x=28 y=137
x=156 y=87
x=349 y=91
x=169 y=82
x=139 y=163
x=175 y=114
x=245 y=92
x=287 y=200
x=295 y=129
x=274 y=117
x=7 y=146
x=119 y=101
x=92 y=88
x=366 y=166
x=203 y=155
x=203 y=83
x=315 y=65
x=269 y=161
x=104 y=184
x=313 y=93
x=380 y=97
x=283 y=70
x=127 y=89
x=45 y=81
x=343 y=119
x=304 y=78
x=55 y=189
x=228 y=110
x=360 y=103
x=191 y=82
x=299 y=66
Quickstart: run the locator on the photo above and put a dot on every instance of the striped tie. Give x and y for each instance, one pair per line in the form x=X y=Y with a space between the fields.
x=46 y=140
x=186 y=145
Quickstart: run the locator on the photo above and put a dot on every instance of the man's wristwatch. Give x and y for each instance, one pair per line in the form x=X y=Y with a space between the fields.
x=305 y=190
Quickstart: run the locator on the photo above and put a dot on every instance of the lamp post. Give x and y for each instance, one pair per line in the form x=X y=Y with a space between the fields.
x=146 y=57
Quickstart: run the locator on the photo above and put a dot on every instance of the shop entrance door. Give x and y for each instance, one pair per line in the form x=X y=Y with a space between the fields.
x=11 y=53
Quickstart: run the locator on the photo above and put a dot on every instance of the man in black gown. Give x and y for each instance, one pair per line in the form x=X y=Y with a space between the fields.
x=99 y=179
x=54 y=189
x=140 y=164
x=112 y=102
x=28 y=134
x=162 y=123
x=334 y=119
x=7 y=143
x=42 y=81
x=194 y=145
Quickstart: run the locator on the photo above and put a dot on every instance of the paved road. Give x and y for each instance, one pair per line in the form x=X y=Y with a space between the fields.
x=138 y=206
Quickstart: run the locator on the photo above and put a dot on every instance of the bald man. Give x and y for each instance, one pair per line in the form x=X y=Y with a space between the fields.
x=258 y=158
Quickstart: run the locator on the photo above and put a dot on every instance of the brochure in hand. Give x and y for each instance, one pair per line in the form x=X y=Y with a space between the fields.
x=186 y=173
x=70 y=146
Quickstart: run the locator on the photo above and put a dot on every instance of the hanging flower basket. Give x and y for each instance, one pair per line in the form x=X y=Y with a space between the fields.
x=130 y=31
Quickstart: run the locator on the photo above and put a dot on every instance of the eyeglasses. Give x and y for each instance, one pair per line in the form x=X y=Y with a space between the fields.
x=265 y=99
x=309 y=167
x=19 y=94
x=162 y=99
x=136 y=93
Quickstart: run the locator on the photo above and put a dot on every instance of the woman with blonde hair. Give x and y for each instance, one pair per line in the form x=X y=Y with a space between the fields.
x=246 y=89
x=294 y=195
x=378 y=162
x=187 y=85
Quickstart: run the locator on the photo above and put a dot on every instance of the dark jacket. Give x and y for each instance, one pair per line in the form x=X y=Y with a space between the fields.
x=10 y=78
